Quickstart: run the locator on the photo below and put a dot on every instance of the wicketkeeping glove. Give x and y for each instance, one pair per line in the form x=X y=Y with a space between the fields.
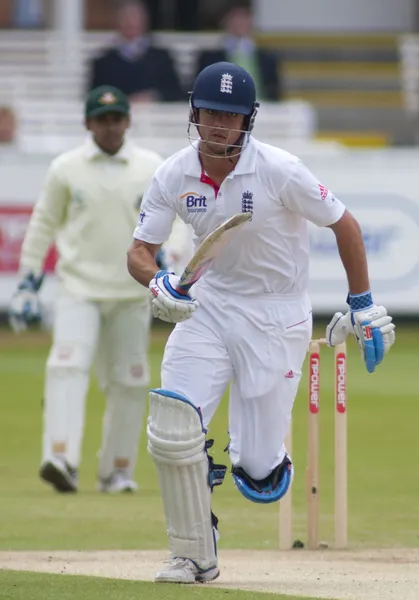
x=168 y=304
x=370 y=324
x=25 y=308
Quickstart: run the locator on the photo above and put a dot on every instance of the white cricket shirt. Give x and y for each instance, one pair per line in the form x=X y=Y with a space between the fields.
x=269 y=254
x=89 y=206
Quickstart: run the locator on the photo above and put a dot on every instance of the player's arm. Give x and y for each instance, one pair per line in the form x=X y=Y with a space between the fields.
x=153 y=228
x=352 y=252
x=305 y=195
x=372 y=327
x=47 y=217
x=142 y=261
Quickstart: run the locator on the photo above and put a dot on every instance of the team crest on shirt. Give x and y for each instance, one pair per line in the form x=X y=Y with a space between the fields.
x=247 y=202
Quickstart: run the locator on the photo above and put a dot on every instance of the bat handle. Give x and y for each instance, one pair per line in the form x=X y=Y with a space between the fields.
x=183 y=289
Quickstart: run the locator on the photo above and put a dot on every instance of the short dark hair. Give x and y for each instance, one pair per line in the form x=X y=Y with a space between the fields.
x=234 y=5
x=120 y=4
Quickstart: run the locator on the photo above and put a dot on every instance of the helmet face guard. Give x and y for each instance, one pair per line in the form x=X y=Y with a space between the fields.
x=233 y=142
x=228 y=88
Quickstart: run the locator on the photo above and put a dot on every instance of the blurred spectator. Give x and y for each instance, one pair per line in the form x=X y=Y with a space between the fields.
x=133 y=65
x=28 y=13
x=7 y=125
x=187 y=15
x=184 y=14
x=240 y=48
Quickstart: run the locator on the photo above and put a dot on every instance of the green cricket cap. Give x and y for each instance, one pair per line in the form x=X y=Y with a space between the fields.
x=106 y=99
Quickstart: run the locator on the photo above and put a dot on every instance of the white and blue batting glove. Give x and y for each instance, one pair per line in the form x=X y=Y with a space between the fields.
x=338 y=329
x=370 y=324
x=25 y=308
x=166 y=303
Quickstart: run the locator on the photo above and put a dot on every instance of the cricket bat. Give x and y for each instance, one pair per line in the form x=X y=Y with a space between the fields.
x=209 y=250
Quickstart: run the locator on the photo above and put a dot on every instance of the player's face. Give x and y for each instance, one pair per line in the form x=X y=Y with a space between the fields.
x=219 y=130
x=108 y=131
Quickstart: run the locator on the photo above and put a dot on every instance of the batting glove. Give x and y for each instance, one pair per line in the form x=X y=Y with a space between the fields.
x=168 y=304
x=372 y=327
x=25 y=308
x=370 y=324
x=338 y=329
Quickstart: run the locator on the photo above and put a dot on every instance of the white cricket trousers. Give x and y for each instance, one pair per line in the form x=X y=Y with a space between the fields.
x=114 y=335
x=257 y=343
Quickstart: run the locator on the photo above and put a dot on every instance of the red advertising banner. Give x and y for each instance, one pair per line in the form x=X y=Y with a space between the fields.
x=14 y=219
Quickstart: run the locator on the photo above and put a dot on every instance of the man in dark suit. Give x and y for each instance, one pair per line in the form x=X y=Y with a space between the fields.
x=239 y=48
x=133 y=65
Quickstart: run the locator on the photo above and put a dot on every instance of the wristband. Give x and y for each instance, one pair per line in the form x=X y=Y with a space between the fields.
x=359 y=302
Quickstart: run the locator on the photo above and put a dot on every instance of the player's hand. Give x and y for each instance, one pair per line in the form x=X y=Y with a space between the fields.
x=374 y=331
x=338 y=329
x=372 y=327
x=25 y=308
x=167 y=304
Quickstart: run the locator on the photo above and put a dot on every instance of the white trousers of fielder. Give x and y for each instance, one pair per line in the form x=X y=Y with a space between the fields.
x=114 y=335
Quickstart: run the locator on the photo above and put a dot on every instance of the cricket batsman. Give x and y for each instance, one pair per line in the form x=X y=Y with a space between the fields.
x=249 y=320
x=89 y=206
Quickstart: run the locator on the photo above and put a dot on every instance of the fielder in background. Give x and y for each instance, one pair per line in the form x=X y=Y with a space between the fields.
x=89 y=206
x=249 y=319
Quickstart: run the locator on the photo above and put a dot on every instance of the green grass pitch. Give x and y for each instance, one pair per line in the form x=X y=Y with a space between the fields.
x=383 y=417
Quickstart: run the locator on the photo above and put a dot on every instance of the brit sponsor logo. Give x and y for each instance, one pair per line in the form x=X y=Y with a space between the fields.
x=314 y=382
x=195 y=203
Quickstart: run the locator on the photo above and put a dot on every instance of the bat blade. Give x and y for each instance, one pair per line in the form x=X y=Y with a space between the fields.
x=209 y=250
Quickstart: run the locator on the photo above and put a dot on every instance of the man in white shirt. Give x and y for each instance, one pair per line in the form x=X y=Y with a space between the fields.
x=89 y=206
x=249 y=320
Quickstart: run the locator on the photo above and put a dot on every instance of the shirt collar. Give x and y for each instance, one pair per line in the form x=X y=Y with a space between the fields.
x=133 y=49
x=93 y=151
x=246 y=163
x=240 y=45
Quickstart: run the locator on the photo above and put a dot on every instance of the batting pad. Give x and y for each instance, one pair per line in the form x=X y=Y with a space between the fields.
x=176 y=442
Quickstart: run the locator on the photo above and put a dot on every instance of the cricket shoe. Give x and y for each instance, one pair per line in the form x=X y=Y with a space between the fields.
x=117 y=482
x=185 y=570
x=59 y=474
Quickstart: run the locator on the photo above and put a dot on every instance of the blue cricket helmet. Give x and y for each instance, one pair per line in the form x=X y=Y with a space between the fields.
x=224 y=86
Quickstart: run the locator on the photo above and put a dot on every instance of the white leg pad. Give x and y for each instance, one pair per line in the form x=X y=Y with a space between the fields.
x=176 y=442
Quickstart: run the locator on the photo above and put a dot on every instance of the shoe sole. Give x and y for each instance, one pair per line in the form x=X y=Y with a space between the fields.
x=57 y=478
x=199 y=578
x=203 y=580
